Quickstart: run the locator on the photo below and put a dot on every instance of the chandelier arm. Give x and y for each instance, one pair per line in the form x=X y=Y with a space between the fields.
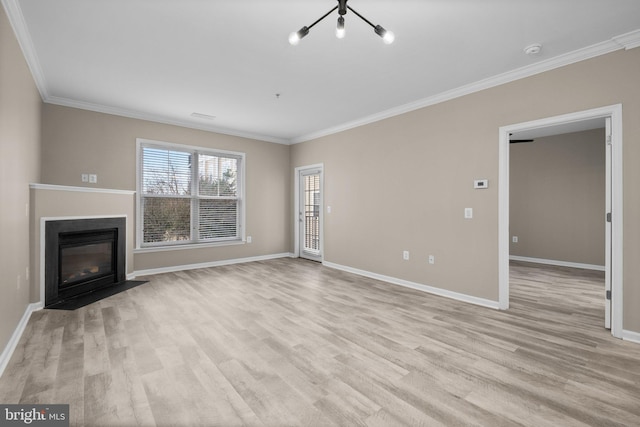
x=322 y=17
x=360 y=16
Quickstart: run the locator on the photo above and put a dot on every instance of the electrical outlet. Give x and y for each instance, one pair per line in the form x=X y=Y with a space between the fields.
x=93 y=178
x=405 y=255
x=514 y=239
x=432 y=259
x=248 y=239
x=481 y=183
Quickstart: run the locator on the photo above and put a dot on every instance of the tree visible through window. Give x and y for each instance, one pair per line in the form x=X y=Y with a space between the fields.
x=188 y=195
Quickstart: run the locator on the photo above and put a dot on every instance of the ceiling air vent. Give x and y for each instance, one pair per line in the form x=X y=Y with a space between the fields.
x=202 y=116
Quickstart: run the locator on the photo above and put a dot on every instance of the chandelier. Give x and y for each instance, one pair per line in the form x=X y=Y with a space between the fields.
x=387 y=36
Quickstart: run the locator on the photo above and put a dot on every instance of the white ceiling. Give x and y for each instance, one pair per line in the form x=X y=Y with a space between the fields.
x=166 y=59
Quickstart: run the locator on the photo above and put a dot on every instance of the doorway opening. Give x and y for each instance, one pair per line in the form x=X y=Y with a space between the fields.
x=611 y=116
x=309 y=212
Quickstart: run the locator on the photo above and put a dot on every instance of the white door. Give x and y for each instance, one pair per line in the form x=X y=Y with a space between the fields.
x=310 y=214
x=607 y=257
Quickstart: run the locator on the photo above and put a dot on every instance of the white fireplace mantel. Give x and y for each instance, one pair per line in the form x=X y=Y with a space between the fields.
x=53 y=187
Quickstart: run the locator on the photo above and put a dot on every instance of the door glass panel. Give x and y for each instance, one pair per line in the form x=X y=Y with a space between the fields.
x=312 y=213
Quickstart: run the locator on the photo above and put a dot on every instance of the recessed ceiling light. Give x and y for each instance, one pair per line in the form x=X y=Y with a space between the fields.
x=533 y=49
x=202 y=116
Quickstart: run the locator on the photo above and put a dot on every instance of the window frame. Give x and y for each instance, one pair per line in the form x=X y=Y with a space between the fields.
x=194 y=197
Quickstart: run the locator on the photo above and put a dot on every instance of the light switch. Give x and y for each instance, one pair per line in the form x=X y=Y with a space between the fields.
x=468 y=213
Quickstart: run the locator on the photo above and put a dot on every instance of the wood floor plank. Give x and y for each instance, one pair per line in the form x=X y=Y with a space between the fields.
x=229 y=408
x=292 y=343
x=39 y=385
x=13 y=380
x=263 y=403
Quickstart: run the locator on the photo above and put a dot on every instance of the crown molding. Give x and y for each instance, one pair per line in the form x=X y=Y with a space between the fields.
x=99 y=108
x=626 y=41
x=16 y=19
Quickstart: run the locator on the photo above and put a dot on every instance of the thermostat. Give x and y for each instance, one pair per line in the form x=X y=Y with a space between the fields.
x=481 y=183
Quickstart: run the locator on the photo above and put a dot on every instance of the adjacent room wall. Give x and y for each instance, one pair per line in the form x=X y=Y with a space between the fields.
x=78 y=141
x=403 y=183
x=557 y=198
x=19 y=165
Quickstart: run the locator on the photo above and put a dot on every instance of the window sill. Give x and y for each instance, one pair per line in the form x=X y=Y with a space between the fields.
x=187 y=246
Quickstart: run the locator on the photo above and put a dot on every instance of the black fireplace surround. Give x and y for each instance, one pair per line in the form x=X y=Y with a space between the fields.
x=83 y=256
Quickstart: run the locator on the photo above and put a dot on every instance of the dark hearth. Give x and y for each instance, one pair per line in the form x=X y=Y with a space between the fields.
x=83 y=256
x=91 y=297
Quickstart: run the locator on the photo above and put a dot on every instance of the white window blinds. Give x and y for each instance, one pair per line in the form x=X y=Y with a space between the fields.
x=188 y=195
x=218 y=191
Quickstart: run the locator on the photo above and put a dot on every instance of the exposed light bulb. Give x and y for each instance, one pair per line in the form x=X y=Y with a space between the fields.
x=295 y=37
x=340 y=31
x=389 y=37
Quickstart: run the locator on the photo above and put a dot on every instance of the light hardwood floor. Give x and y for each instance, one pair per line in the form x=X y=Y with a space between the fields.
x=291 y=343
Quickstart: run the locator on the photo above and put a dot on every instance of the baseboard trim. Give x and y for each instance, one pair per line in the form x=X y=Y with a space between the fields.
x=557 y=263
x=631 y=336
x=17 y=334
x=174 y=268
x=417 y=286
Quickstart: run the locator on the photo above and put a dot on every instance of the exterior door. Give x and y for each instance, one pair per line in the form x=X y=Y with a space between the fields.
x=310 y=214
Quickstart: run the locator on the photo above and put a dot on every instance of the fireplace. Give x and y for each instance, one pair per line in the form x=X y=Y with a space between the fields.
x=82 y=256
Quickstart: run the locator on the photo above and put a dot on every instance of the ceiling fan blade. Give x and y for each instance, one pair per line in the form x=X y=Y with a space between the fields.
x=517 y=141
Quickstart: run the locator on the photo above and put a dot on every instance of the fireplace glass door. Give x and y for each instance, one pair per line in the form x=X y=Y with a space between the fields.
x=85 y=258
x=85 y=262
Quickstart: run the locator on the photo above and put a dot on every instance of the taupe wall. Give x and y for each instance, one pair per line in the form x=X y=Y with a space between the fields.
x=557 y=197
x=403 y=183
x=77 y=141
x=19 y=165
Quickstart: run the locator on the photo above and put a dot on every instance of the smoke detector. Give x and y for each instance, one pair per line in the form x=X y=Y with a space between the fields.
x=533 y=49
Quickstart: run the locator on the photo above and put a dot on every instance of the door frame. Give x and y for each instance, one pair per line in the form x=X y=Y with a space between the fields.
x=297 y=252
x=616 y=267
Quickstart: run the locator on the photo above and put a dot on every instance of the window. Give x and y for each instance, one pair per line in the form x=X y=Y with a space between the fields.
x=188 y=195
